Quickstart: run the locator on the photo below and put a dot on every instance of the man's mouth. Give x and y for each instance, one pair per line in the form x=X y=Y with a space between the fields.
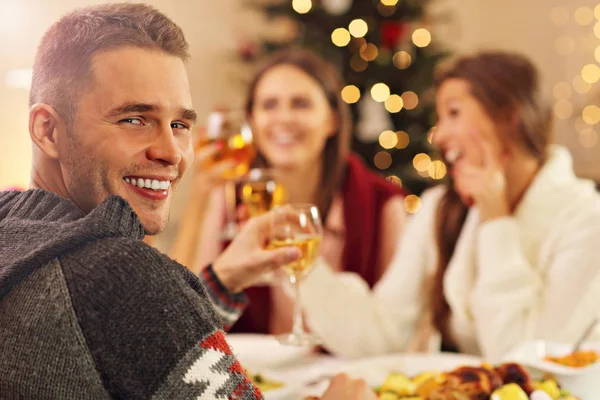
x=152 y=188
x=147 y=183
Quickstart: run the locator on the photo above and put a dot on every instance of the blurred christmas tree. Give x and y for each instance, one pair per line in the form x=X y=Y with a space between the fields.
x=385 y=53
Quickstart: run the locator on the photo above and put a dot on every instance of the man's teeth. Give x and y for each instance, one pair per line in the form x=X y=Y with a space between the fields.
x=452 y=155
x=148 y=183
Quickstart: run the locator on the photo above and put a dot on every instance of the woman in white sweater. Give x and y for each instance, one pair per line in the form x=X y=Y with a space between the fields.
x=508 y=252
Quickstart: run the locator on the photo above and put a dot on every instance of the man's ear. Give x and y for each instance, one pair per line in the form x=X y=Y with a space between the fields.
x=44 y=124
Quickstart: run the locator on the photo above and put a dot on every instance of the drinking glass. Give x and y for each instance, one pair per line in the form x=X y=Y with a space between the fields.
x=261 y=192
x=297 y=225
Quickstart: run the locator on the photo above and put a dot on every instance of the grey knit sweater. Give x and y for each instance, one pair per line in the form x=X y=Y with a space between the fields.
x=88 y=311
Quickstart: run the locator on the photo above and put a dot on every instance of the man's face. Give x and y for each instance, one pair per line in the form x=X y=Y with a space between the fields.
x=131 y=134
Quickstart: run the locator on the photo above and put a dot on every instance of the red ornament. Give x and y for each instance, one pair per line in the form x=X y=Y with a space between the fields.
x=392 y=33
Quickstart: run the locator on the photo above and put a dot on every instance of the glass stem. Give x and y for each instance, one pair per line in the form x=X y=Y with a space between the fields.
x=298 y=328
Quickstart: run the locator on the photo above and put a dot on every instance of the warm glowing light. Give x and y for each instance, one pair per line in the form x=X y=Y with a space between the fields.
x=340 y=37
x=412 y=203
x=395 y=180
x=388 y=139
x=597 y=29
x=584 y=16
x=590 y=73
x=358 y=28
x=562 y=91
x=301 y=6
x=358 y=64
x=580 y=85
x=597 y=54
x=369 y=52
x=350 y=94
x=402 y=60
x=380 y=92
x=437 y=169
x=588 y=138
x=421 y=37
x=597 y=12
x=559 y=15
x=564 y=45
x=421 y=162
x=389 y=2
x=563 y=109
x=382 y=160
x=591 y=114
x=394 y=103
x=403 y=140
x=411 y=100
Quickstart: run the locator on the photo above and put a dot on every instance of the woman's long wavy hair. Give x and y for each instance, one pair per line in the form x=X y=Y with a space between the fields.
x=507 y=86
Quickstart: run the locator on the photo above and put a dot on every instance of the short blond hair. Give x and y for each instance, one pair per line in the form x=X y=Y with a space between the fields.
x=62 y=67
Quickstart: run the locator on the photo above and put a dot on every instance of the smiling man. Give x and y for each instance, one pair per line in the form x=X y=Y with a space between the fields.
x=87 y=310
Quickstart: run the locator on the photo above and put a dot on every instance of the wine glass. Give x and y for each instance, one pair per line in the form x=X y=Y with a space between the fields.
x=231 y=130
x=261 y=192
x=297 y=225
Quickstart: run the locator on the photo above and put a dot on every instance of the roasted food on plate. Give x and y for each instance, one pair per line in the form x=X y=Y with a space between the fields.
x=505 y=382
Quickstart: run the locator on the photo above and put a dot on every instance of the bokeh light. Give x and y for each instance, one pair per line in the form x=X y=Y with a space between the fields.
x=403 y=140
x=388 y=139
x=581 y=86
x=369 y=52
x=301 y=6
x=394 y=103
x=394 y=180
x=437 y=169
x=591 y=114
x=421 y=37
x=350 y=94
x=584 y=16
x=358 y=28
x=358 y=64
x=380 y=92
x=382 y=160
x=412 y=203
x=340 y=37
x=562 y=91
x=421 y=162
x=563 y=109
x=410 y=99
x=590 y=73
x=402 y=59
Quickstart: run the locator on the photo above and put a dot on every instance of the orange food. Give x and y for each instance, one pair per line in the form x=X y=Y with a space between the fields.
x=578 y=359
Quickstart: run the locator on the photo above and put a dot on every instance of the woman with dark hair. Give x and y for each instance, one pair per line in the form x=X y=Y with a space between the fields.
x=506 y=253
x=302 y=131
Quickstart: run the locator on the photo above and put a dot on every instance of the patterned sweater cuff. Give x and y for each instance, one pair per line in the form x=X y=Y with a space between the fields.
x=229 y=306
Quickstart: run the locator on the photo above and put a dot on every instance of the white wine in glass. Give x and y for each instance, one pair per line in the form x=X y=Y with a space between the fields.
x=297 y=225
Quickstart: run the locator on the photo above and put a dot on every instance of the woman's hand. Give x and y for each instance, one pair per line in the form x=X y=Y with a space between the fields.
x=485 y=184
x=207 y=178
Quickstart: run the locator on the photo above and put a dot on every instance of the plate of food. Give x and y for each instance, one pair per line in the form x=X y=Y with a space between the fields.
x=454 y=377
x=273 y=389
x=578 y=370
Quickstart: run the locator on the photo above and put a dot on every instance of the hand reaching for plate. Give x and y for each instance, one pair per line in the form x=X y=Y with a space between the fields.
x=342 y=387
